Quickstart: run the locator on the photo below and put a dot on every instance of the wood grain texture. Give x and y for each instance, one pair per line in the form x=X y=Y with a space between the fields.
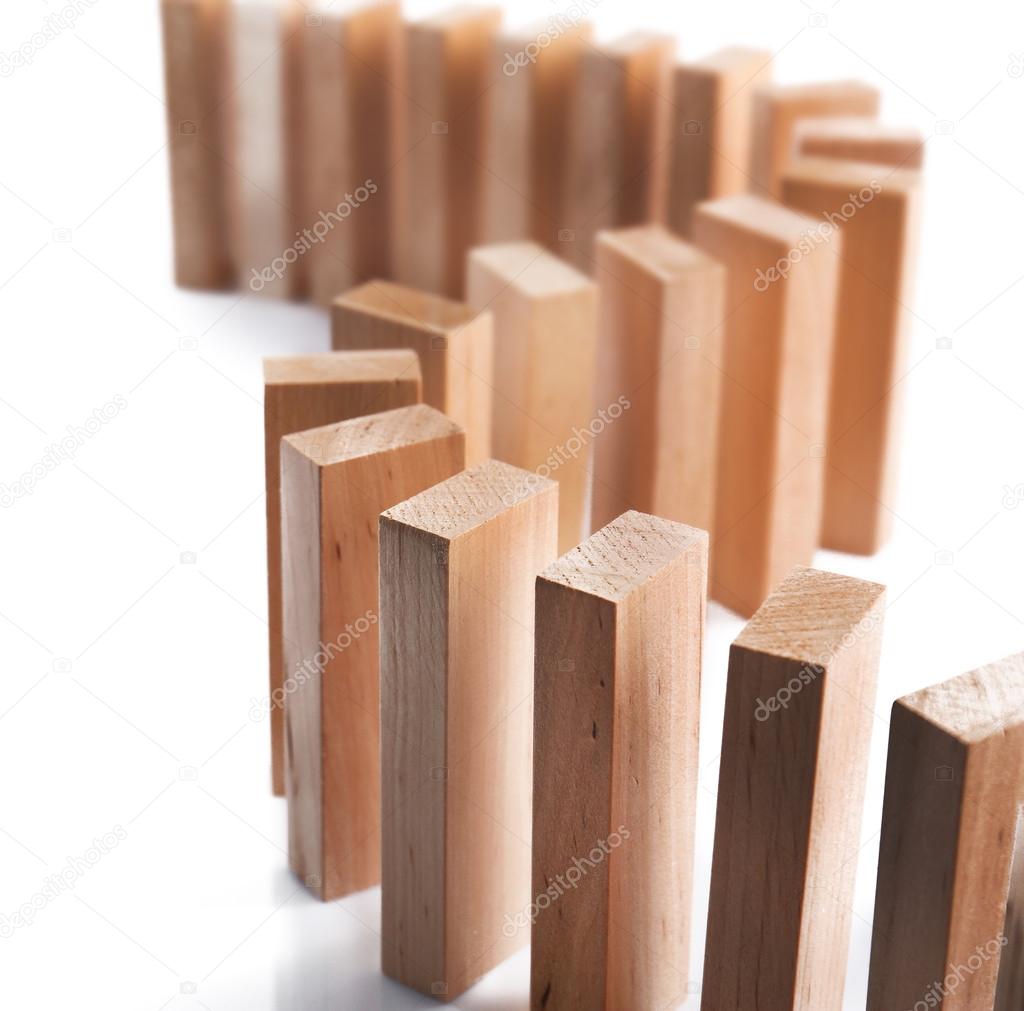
x=455 y=345
x=335 y=482
x=852 y=138
x=545 y=346
x=798 y=719
x=953 y=789
x=458 y=564
x=620 y=623
x=877 y=210
x=660 y=346
x=779 y=309
x=306 y=391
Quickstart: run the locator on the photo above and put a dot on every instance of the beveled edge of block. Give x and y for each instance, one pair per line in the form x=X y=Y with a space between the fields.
x=530 y=269
x=342 y=367
x=726 y=60
x=408 y=306
x=636 y=42
x=657 y=251
x=775 y=92
x=760 y=216
x=456 y=16
x=851 y=175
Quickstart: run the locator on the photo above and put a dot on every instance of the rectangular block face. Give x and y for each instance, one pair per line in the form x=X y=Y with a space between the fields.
x=782 y=272
x=859 y=139
x=458 y=565
x=306 y=391
x=798 y=717
x=545 y=345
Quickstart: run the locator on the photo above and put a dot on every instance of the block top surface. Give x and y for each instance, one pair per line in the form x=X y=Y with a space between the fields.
x=851 y=175
x=342 y=367
x=457 y=16
x=657 y=251
x=728 y=60
x=637 y=43
x=822 y=91
x=756 y=215
x=860 y=128
x=531 y=269
x=407 y=306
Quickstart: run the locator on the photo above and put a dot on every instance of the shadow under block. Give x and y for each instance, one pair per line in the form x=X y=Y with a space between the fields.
x=853 y=138
x=798 y=719
x=307 y=391
x=545 y=343
x=618 y=164
x=662 y=306
x=458 y=566
x=954 y=785
x=455 y=345
x=446 y=72
x=877 y=210
x=778 y=109
x=782 y=274
x=194 y=40
x=349 y=94
x=711 y=128
x=335 y=483
x=620 y=622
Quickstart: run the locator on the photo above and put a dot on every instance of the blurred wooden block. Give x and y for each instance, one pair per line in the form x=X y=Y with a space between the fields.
x=1010 y=984
x=457 y=569
x=306 y=391
x=545 y=345
x=711 y=129
x=455 y=345
x=617 y=161
x=438 y=171
x=877 y=210
x=660 y=347
x=953 y=789
x=335 y=482
x=782 y=273
x=194 y=40
x=350 y=90
x=798 y=719
x=859 y=139
x=779 y=108
x=620 y=622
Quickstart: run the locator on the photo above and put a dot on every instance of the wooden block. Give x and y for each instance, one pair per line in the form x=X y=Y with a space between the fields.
x=439 y=175
x=455 y=346
x=457 y=570
x=660 y=346
x=779 y=108
x=1010 y=984
x=711 y=125
x=335 y=482
x=798 y=718
x=306 y=391
x=618 y=165
x=194 y=38
x=779 y=310
x=877 y=210
x=854 y=138
x=350 y=89
x=953 y=789
x=620 y=623
x=545 y=344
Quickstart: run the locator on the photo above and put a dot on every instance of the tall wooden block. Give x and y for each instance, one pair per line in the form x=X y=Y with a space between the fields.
x=335 y=483
x=457 y=568
x=779 y=108
x=455 y=346
x=851 y=138
x=306 y=391
x=953 y=790
x=798 y=717
x=439 y=175
x=779 y=311
x=194 y=39
x=711 y=127
x=620 y=621
x=660 y=346
x=877 y=210
x=545 y=343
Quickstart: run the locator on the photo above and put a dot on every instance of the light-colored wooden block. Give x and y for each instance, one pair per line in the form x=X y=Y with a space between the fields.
x=782 y=271
x=779 y=108
x=660 y=346
x=455 y=346
x=953 y=789
x=335 y=483
x=711 y=125
x=1010 y=984
x=618 y=159
x=798 y=718
x=619 y=631
x=457 y=569
x=350 y=90
x=853 y=138
x=438 y=173
x=306 y=391
x=194 y=39
x=545 y=345
x=876 y=208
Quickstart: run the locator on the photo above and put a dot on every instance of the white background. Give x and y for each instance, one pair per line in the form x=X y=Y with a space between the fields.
x=125 y=668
